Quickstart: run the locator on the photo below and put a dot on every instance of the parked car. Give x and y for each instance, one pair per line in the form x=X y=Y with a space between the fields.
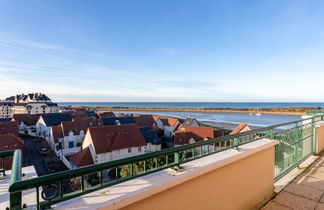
x=44 y=151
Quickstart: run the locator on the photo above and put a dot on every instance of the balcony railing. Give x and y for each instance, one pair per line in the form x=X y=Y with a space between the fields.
x=296 y=143
x=315 y=112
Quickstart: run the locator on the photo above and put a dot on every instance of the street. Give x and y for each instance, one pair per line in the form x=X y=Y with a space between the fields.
x=44 y=164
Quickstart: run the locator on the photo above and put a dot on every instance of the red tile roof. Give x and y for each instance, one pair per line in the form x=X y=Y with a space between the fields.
x=27 y=119
x=82 y=158
x=239 y=128
x=9 y=127
x=170 y=121
x=10 y=142
x=57 y=133
x=146 y=120
x=81 y=123
x=197 y=133
x=207 y=132
x=156 y=118
x=218 y=133
x=184 y=137
x=115 y=137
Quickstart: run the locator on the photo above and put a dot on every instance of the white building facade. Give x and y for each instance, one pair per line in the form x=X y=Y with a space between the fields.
x=34 y=103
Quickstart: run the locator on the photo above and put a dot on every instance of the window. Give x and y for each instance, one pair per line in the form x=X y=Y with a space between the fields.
x=139 y=149
x=129 y=150
x=71 y=144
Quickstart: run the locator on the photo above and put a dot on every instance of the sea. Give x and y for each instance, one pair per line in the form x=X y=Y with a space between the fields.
x=198 y=104
x=231 y=118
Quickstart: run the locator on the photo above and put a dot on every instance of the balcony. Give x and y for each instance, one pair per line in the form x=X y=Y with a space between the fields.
x=246 y=166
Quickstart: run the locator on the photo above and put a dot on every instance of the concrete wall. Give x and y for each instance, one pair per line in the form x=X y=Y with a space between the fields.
x=319 y=138
x=244 y=184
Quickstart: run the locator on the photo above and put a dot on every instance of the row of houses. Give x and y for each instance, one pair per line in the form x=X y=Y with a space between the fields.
x=101 y=137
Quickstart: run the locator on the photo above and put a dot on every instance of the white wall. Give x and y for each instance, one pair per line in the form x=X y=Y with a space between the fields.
x=42 y=130
x=118 y=154
x=159 y=123
x=152 y=147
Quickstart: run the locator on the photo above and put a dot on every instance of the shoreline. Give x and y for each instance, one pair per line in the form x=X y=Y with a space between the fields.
x=273 y=111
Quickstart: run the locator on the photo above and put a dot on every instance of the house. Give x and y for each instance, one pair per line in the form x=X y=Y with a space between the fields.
x=159 y=123
x=193 y=134
x=46 y=121
x=27 y=123
x=9 y=127
x=74 y=131
x=118 y=120
x=82 y=158
x=146 y=120
x=152 y=140
x=218 y=133
x=242 y=127
x=56 y=136
x=106 y=114
x=92 y=114
x=107 y=143
x=10 y=142
x=83 y=113
x=190 y=122
x=169 y=126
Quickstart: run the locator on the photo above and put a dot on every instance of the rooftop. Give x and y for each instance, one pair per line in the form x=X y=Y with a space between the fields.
x=223 y=163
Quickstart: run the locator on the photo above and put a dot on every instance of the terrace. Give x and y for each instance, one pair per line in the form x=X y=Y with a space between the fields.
x=246 y=166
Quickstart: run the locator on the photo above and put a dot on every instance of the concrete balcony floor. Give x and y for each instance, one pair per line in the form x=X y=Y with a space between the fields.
x=305 y=192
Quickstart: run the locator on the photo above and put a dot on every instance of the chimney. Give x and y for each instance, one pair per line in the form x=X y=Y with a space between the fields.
x=17 y=99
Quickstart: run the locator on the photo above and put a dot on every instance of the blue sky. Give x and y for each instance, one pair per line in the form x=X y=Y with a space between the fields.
x=166 y=50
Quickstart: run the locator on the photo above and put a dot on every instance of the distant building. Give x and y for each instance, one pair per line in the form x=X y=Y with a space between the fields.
x=190 y=122
x=33 y=103
x=242 y=127
x=10 y=142
x=107 y=143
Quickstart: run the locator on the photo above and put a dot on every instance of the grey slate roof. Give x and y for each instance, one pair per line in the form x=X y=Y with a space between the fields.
x=5 y=119
x=53 y=119
x=189 y=122
x=92 y=114
x=150 y=136
x=122 y=120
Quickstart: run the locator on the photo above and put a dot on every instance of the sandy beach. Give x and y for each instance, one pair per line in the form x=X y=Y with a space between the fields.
x=275 y=111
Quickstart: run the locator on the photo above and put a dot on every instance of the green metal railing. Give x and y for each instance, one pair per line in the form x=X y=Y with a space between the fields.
x=296 y=142
x=3 y=156
x=315 y=112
